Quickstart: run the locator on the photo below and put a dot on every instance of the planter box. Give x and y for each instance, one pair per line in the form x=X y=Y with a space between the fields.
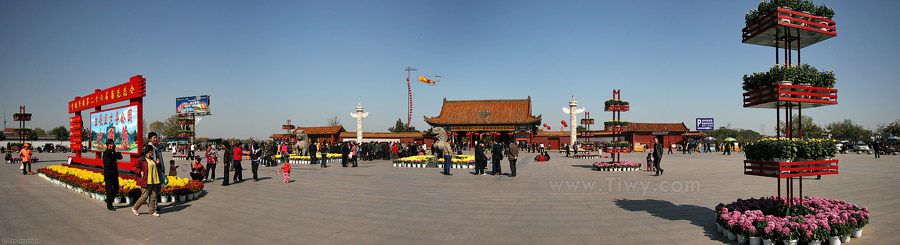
x=781 y=94
x=812 y=29
x=616 y=108
x=616 y=128
x=790 y=169
x=618 y=150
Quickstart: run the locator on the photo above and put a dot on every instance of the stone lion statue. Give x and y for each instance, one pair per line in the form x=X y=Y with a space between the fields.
x=302 y=145
x=440 y=143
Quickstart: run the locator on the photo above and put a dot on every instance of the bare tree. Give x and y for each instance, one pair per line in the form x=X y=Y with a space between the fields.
x=334 y=121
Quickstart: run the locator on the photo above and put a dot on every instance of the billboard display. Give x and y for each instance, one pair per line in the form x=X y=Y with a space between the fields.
x=705 y=124
x=193 y=104
x=119 y=124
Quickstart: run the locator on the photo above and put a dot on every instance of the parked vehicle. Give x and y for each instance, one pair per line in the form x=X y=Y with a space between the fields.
x=861 y=147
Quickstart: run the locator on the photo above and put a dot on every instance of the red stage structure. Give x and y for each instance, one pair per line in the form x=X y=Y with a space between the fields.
x=133 y=92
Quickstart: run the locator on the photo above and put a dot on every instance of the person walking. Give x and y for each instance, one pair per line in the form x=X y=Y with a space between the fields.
x=671 y=147
x=513 y=155
x=226 y=159
x=255 y=159
x=354 y=151
x=480 y=159
x=447 y=153
x=312 y=154
x=496 y=156
x=212 y=158
x=156 y=146
x=726 y=148
x=26 y=154
x=286 y=170
x=191 y=153
x=236 y=161
x=567 y=150
x=111 y=159
x=877 y=148
x=269 y=153
x=323 y=151
x=345 y=154
x=657 y=156
x=150 y=178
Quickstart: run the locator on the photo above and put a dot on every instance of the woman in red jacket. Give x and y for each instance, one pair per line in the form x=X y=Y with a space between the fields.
x=236 y=161
x=150 y=179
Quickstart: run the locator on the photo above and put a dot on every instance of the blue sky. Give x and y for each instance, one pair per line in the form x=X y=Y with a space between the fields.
x=264 y=62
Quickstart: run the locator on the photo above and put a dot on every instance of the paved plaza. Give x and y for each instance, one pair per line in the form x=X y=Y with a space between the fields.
x=377 y=203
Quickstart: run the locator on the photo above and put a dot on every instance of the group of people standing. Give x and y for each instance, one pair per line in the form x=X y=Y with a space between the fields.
x=497 y=152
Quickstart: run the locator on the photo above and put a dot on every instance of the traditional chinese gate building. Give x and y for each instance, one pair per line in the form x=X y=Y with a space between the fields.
x=474 y=120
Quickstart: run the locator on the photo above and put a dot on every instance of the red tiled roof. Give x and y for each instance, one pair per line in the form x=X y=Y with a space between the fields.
x=322 y=130
x=377 y=135
x=484 y=112
x=701 y=134
x=566 y=133
x=657 y=127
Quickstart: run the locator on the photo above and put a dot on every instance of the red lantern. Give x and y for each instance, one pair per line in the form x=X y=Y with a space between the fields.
x=476 y=134
x=455 y=134
x=548 y=128
x=564 y=123
x=510 y=133
x=545 y=125
x=497 y=133
x=469 y=133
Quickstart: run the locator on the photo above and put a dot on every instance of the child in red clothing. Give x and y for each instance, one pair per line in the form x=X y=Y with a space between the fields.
x=287 y=172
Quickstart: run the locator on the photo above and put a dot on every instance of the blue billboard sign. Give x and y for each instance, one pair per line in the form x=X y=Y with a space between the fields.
x=705 y=124
x=193 y=104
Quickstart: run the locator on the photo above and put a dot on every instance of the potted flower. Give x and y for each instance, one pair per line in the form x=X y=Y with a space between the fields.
x=165 y=194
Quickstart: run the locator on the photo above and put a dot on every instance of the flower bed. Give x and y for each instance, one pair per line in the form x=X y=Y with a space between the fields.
x=458 y=161
x=617 y=166
x=91 y=182
x=587 y=156
x=818 y=219
x=295 y=159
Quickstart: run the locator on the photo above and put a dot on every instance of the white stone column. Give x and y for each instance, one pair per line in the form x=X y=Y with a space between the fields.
x=573 y=112
x=359 y=115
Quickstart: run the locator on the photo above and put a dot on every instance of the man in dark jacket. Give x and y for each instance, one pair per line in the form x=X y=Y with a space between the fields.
x=345 y=150
x=312 y=154
x=111 y=172
x=657 y=156
x=513 y=155
x=480 y=159
x=496 y=156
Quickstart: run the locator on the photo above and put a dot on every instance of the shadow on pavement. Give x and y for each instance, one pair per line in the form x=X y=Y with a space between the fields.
x=669 y=211
x=583 y=166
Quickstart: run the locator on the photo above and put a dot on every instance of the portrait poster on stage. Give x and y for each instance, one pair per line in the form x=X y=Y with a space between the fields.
x=120 y=125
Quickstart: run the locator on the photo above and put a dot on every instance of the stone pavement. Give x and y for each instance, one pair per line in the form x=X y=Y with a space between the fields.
x=558 y=202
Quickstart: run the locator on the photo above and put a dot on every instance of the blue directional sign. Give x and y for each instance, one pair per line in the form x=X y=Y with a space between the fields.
x=705 y=124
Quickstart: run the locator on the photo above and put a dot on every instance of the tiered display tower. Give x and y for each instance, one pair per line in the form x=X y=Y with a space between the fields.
x=289 y=134
x=617 y=132
x=788 y=31
x=186 y=132
x=22 y=131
